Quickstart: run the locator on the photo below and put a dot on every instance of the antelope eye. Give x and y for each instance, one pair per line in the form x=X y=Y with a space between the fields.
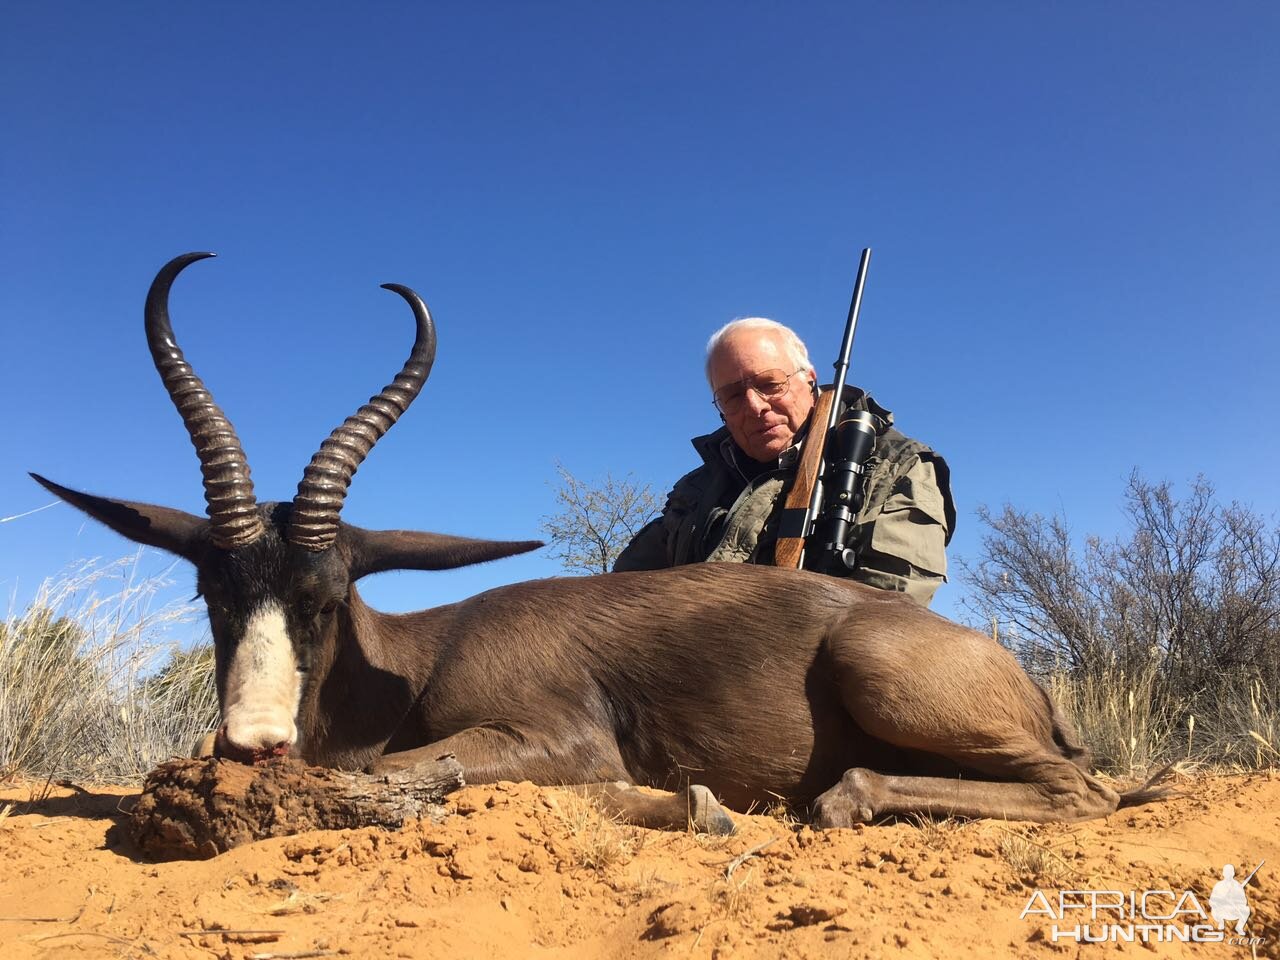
x=312 y=606
x=212 y=599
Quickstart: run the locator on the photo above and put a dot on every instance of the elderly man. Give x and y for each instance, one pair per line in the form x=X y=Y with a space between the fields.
x=727 y=509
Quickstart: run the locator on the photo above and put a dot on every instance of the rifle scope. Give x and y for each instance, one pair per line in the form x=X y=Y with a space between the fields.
x=855 y=438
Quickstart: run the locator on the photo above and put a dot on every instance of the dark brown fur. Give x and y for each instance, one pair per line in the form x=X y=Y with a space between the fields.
x=755 y=682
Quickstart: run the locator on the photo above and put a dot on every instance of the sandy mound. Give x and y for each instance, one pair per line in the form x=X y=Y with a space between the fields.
x=518 y=870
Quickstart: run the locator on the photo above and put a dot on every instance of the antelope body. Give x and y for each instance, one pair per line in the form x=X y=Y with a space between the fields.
x=734 y=681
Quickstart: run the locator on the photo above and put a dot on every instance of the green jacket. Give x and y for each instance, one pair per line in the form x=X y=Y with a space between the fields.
x=727 y=510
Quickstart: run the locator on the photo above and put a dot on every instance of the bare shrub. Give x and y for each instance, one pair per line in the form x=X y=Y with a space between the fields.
x=78 y=696
x=596 y=522
x=1180 y=617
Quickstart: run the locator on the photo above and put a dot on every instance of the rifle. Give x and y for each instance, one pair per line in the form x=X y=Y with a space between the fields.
x=813 y=530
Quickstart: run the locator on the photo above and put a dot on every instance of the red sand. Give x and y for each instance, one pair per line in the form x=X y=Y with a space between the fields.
x=522 y=871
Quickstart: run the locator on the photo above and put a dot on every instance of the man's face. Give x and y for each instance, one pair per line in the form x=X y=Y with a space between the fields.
x=761 y=426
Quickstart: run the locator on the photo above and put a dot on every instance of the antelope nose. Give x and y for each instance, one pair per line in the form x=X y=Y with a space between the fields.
x=255 y=740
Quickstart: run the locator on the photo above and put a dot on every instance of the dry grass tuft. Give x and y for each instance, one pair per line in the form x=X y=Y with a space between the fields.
x=90 y=687
x=1120 y=716
x=598 y=840
x=1245 y=727
x=782 y=812
x=647 y=885
x=1131 y=730
x=1033 y=860
x=299 y=902
x=711 y=841
x=938 y=834
x=731 y=897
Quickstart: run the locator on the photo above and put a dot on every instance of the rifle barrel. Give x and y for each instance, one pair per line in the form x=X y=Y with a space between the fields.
x=842 y=371
x=851 y=325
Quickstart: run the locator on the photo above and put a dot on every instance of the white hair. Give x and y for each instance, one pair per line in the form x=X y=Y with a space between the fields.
x=791 y=343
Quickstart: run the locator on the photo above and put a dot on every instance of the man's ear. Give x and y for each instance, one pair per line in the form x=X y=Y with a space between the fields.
x=173 y=530
x=373 y=551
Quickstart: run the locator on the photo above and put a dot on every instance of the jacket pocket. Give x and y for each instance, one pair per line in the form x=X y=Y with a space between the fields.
x=912 y=525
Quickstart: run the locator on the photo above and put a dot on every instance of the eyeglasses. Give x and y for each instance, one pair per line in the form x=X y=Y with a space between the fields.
x=768 y=385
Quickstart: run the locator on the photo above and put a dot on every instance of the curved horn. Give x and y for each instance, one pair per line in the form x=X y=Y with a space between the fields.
x=328 y=476
x=228 y=491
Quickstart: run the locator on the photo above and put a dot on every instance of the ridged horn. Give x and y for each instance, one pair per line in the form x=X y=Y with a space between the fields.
x=228 y=491
x=325 y=482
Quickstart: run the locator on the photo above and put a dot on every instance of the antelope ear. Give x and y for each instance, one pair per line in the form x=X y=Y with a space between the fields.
x=373 y=551
x=173 y=530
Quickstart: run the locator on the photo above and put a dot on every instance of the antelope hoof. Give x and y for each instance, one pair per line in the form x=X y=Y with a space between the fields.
x=850 y=801
x=705 y=813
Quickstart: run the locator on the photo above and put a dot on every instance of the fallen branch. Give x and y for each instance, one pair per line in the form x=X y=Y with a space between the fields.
x=93 y=933
x=735 y=862
x=220 y=932
x=196 y=809
x=78 y=915
x=40 y=919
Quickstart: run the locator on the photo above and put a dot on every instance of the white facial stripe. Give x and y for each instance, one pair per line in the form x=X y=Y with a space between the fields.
x=263 y=684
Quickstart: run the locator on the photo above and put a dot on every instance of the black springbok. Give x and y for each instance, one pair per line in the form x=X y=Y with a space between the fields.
x=717 y=680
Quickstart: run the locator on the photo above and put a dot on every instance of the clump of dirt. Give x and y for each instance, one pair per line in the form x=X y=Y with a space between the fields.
x=195 y=809
x=516 y=870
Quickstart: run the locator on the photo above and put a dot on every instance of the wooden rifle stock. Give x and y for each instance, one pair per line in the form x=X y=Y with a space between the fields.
x=791 y=528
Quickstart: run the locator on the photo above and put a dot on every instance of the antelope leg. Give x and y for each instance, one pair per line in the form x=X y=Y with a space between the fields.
x=488 y=755
x=695 y=807
x=862 y=796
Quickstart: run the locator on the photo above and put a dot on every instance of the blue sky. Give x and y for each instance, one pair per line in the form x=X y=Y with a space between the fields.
x=1074 y=211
